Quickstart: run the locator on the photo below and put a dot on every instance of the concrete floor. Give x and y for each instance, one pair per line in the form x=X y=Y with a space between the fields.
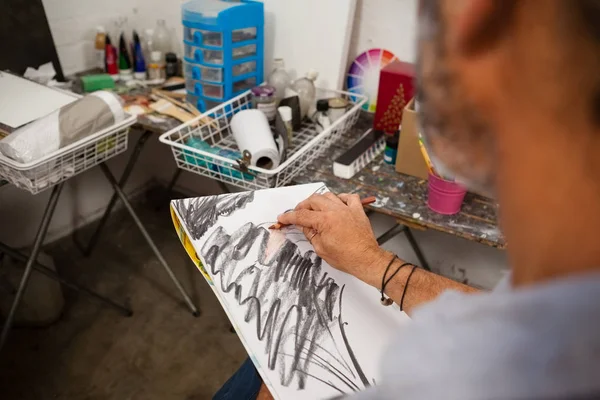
x=93 y=352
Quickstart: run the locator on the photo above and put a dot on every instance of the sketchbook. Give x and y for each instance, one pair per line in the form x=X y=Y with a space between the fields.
x=312 y=331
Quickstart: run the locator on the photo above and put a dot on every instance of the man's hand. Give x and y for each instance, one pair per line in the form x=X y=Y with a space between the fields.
x=341 y=234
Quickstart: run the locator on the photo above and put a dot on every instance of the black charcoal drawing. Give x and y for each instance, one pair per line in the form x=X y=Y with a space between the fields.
x=295 y=306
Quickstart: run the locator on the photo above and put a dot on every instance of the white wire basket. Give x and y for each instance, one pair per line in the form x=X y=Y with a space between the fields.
x=213 y=127
x=68 y=161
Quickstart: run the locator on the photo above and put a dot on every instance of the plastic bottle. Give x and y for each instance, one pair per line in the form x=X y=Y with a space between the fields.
x=111 y=59
x=161 y=40
x=99 y=46
x=305 y=87
x=125 y=70
x=321 y=117
x=391 y=148
x=139 y=62
x=171 y=65
x=279 y=79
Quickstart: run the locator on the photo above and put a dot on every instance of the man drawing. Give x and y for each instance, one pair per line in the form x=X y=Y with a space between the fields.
x=509 y=94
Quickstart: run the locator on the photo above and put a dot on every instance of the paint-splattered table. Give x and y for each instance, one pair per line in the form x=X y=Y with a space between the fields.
x=404 y=197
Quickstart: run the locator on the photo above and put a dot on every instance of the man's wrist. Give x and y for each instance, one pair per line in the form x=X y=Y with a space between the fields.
x=375 y=267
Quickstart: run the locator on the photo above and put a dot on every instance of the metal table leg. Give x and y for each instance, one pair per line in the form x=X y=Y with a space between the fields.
x=53 y=275
x=416 y=248
x=151 y=243
x=37 y=244
x=87 y=251
x=398 y=229
x=395 y=231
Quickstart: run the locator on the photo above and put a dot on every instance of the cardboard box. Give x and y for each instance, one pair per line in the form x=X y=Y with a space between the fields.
x=409 y=159
x=396 y=88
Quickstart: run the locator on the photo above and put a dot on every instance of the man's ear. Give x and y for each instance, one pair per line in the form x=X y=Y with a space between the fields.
x=479 y=24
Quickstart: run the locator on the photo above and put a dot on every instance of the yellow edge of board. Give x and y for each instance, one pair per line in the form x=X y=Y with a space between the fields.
x=187 y=245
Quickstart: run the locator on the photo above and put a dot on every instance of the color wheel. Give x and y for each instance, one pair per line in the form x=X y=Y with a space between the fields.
x=363 y=75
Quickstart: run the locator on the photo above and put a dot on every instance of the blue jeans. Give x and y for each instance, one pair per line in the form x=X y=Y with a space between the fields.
x=243 y=385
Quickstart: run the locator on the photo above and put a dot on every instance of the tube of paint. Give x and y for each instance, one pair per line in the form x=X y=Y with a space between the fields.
x=111 y=59
x=139 y=64
x=125 y=71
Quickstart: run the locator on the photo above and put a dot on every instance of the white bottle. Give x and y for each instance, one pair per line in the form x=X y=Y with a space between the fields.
x=307 y=92
x=279 y=79
x=156 y=68
x=100 y=47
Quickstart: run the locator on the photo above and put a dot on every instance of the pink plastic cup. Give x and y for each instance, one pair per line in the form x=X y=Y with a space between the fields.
x=445 y=197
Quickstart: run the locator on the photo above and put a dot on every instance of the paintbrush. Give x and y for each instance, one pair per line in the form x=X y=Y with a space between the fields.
x=166 y=107
x=365 y=202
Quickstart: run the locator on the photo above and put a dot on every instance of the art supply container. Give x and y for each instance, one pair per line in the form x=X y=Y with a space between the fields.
x=337 y=108
x=263 y=99
x=223 y=44
x=91 y=83
x=279 y=79
x=286 y=115
x=305 y=87
x=391 y=148
x=171 y=65
x=444 y=197
x=100 y=46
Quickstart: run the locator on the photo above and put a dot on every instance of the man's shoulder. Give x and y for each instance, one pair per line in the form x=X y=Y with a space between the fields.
x=529 y=342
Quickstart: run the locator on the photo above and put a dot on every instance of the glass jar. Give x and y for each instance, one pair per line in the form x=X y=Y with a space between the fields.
x=263 y=99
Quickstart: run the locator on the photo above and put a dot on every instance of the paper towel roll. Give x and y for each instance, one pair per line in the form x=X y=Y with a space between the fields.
x=252 y=132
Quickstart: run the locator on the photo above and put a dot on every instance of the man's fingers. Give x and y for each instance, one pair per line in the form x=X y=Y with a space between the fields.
x=316 y=202
x=333 y=198
x=351 y=200
x=303 y=218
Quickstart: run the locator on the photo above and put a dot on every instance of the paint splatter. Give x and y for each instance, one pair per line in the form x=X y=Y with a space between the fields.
x=381 y=202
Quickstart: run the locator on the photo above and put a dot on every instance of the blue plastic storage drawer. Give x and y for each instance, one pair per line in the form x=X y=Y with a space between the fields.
x=214 y=74
x=201 y=37
x=202 y=104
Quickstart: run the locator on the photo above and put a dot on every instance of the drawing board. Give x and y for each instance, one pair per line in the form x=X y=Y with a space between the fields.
x=24 y=101
x=312 y=331
x=310 y=34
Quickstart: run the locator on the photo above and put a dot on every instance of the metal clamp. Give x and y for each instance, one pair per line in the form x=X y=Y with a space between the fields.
x=244 y=163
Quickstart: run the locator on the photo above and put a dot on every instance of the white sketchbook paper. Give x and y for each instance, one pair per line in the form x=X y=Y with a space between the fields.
x=312 y=332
